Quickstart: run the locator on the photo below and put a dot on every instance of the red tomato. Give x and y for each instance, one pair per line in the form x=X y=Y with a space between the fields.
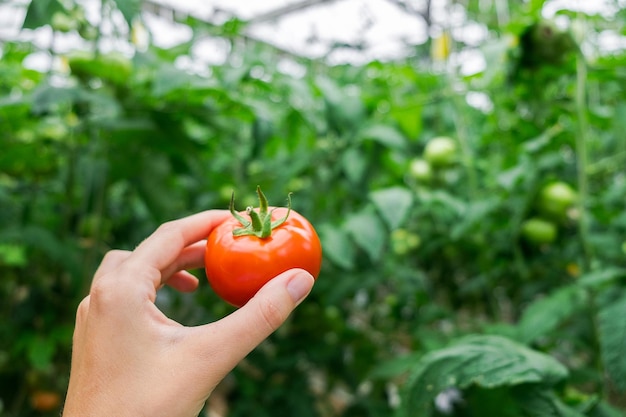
x=238 y=266
x=45 y=400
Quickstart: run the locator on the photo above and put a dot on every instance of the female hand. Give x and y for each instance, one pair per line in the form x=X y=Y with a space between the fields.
x=129 y=359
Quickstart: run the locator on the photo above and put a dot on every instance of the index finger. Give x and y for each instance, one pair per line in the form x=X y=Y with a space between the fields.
x=163 y=247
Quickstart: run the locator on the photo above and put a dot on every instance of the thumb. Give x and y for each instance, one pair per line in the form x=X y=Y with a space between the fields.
x=243 y=330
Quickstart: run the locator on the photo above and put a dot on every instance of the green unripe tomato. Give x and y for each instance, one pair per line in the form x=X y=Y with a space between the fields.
x=556 y=198
x=403 y=241
x=63 y=23
x=116 y=67
x=440 y=151
x=539 y=231
x=420 y=170
x=87 y=32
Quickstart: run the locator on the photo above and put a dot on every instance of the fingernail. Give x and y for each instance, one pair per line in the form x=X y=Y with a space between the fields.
x=299 y=286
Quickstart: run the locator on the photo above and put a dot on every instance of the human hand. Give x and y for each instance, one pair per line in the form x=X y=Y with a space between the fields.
x=129 y=359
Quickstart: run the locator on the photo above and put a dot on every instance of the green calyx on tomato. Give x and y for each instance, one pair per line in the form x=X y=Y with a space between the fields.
x=260 y=223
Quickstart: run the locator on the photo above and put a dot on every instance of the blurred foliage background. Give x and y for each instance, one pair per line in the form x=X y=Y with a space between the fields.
x=474 y=226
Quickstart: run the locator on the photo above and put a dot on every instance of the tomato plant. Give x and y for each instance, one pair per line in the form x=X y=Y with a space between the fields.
x=440 y=151
x=246 y=251
x=420 y=170
x=539 y=231
x=45 y=401
x=556 y=198
x=428 y=198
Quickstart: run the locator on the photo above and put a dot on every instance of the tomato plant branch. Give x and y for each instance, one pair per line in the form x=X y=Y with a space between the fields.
x=583 y=195
x=461 y=134
x=460 y=124
x=581 y=156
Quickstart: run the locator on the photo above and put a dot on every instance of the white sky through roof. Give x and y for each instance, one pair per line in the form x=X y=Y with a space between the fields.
x=384 y=29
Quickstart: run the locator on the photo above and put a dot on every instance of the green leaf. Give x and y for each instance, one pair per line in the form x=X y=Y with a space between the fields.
x=409 y=119
x=368 y=232
x=602 y=409
x=354 y=164
x=12 y=254
x=473 y=217
x=394 y=367
x=337 y=246
x=536 y=6
x=40 y=12
x=544 y=315
x=46 y=242
x=434 y=200
x=168 y=78
x=484 y=361
x=40 y=352
x=602 y=277
x=330 y=89
x=344 y=107
x=537 y=401
x=393 y=204
x=47 y=98
x=509 y=178
x=385 y=135
x=129 y=9
x=612 y=332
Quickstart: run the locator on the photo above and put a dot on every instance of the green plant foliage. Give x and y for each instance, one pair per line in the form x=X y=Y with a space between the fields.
x=39 y=13
x=543 y=316
x=431 y=290
x=393 y=204
x=482 y=361
x=129 y=8
x=612 y=332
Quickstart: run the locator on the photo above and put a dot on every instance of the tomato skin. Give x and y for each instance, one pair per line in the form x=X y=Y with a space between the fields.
x=45 y=401
x=556 y=198
x=420 y=170
x=539 y=231
x=238 y=266
x=440 y=151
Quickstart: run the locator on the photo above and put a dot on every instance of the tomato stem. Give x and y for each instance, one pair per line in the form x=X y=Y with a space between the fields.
x=260 y=223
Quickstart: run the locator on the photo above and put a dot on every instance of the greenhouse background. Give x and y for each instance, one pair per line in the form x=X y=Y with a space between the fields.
x=463 y=162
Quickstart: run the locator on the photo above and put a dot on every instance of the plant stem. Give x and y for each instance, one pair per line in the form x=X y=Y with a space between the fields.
x=583 y=194
x=581 y=157
x=460 y=123
x=462 y=128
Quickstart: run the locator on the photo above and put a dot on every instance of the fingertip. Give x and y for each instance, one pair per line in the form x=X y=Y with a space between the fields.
x=183 y=281
x=244 y=329
x=299 y=285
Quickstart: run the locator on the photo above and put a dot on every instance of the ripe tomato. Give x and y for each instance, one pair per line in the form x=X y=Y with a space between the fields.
x=45 y=401
x=239 y=262
x=440 y=151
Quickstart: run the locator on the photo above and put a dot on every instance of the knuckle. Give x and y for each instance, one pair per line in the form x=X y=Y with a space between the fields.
x=171 y=230
x=83 y=308
x=114 y=255
x=102 y=294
